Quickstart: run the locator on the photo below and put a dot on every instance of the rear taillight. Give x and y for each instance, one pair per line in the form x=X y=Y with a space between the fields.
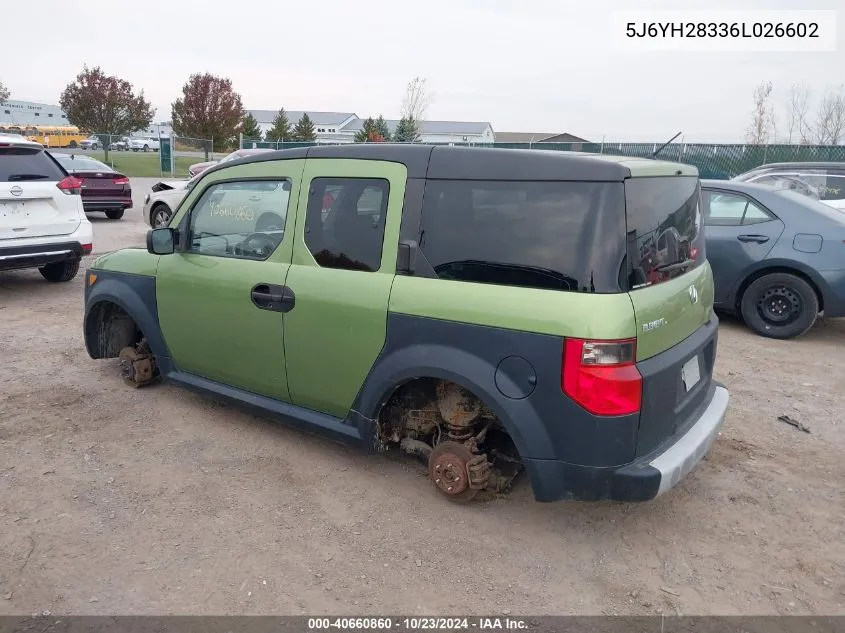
x=120 y=181
x=70 y=186
x=87 y=248
x=601 y=375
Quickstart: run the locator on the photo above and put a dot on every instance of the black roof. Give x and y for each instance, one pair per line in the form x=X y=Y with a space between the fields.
x=463 y=163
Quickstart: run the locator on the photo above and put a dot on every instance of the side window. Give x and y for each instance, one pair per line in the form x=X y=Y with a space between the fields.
x=245 y=219
x=725 y=209
x=755 y=215
x=344 y=225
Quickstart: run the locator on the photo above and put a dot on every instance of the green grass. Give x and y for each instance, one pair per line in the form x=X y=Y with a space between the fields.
x=142 y=165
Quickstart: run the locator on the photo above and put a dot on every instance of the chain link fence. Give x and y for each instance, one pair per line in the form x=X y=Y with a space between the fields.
x=716 y=161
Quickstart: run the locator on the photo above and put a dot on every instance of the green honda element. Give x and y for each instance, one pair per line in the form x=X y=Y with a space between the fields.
x=488 y=311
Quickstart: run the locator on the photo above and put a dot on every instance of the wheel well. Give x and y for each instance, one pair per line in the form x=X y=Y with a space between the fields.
x=108 y=329
x=775 y=269
x=416 y=405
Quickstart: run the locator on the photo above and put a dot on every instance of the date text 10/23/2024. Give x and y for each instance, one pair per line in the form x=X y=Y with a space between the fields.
x=417 y=624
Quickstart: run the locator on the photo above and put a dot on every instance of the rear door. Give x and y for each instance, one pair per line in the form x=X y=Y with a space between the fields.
x=31 y=204
x=740 y=232
x=344 y=263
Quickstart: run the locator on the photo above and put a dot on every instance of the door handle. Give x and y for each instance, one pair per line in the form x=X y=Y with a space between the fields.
x=273 y=297
x=760 y=239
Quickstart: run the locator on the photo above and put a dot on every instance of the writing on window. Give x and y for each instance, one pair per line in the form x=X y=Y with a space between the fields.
x=242 y=219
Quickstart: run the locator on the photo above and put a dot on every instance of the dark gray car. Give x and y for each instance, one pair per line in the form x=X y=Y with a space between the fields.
x=778 y=257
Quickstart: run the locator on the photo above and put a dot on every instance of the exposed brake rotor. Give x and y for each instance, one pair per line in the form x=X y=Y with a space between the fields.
x=456 y=472
x=136 y=366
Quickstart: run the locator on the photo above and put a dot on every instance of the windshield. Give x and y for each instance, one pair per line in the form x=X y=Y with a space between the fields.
x=819 y=207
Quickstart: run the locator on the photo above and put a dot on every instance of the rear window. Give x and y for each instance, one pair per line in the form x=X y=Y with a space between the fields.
x=567 y=236
x=82 y=164
x=25 y=163
x=664 y=222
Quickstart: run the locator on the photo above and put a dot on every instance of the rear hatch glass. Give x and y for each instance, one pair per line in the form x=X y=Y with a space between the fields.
x=19 y=164
x=670 y=283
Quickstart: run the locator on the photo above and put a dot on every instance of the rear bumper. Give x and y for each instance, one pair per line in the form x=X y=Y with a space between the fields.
x=106 y=205
x=35 y=256
x=643 y=479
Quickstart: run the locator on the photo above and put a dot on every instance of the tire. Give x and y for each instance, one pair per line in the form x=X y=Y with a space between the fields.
x=114 y=214
x=779 y=305
x=146 y=148
x=72 y=145
x=160 y=215
x=60 y=271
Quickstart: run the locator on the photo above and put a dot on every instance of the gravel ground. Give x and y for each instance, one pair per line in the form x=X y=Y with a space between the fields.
x=159 y=501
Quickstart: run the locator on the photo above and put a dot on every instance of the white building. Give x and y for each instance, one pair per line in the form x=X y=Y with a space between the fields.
x=31 y=113
x=341 y=127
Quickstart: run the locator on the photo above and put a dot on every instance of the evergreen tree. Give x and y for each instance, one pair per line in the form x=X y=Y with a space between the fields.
x=280 y=132
x=304 y=131
x=250 y=128
x=367 y=132
x=407 y=131
x=382 y=129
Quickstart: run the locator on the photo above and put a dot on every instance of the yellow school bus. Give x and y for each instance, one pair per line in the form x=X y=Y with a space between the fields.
x=47 y=135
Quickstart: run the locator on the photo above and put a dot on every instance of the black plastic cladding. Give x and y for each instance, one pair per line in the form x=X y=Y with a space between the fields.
x=544 y=425
x=461 y=163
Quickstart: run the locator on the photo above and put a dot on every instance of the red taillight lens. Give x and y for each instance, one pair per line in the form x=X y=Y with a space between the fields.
x=693 y=253
x=601 y=376
x=70 y=185
x=120 y=181
x=87 y=248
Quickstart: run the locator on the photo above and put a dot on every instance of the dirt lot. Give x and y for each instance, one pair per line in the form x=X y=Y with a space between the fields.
x=115 y=500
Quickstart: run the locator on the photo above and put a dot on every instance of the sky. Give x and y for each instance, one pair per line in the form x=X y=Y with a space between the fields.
x=524 y=66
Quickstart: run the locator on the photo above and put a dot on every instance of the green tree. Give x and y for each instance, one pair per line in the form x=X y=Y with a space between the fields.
x=4 y=93
x=381 y=127
x=367 y=131
x=208 y=108
x=304 y=131
x=96 y=102
x=407 y=131
x=250 y=128
x=280 y=132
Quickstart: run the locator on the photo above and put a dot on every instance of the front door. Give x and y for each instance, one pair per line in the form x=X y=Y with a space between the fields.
x=344 y=263
x=221 y=299
x=739 y=233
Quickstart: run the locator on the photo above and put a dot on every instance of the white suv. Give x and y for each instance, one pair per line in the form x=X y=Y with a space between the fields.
x=42 y=221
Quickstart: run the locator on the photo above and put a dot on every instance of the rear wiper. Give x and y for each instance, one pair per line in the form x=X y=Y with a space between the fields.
x=676 y=266
x=17 y=177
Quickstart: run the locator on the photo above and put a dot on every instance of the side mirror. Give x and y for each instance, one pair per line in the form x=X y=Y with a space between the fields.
x=161 y=241
x=406 y=258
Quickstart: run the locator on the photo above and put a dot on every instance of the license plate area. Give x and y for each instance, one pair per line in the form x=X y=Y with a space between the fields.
x=691 y=373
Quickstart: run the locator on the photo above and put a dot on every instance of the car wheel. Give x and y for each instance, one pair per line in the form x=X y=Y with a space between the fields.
x=114 y=214
x=160 y=216
x=779 y=305
x=146 y=148
x=72 y=145
x=60 y=271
